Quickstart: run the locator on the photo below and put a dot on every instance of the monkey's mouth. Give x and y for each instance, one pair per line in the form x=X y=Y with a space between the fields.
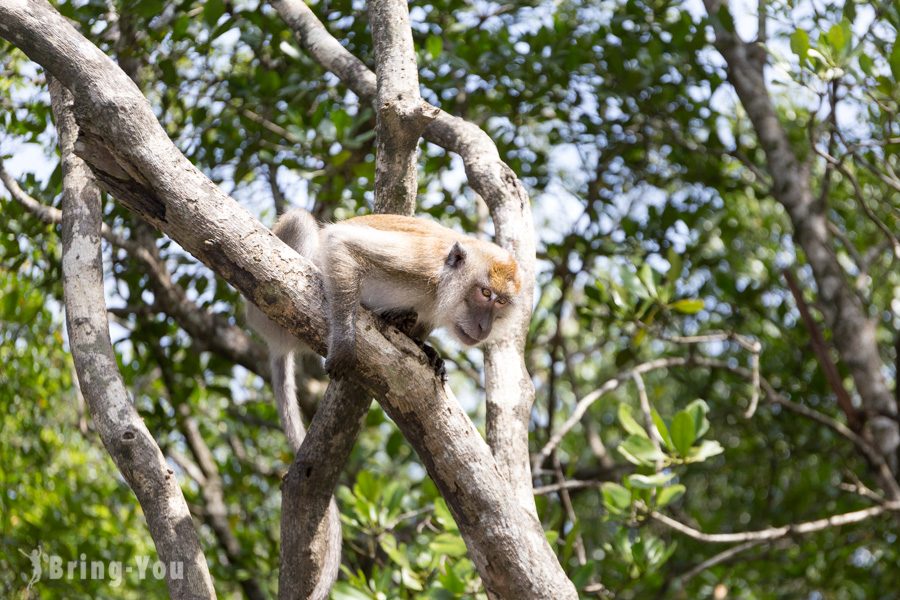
x=464 y=337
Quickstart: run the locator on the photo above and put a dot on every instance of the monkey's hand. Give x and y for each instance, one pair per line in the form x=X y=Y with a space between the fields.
x=341 y=356
x=403 y=319
x=435 y=361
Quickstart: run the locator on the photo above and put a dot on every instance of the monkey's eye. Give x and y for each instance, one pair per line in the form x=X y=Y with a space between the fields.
x=486 y=292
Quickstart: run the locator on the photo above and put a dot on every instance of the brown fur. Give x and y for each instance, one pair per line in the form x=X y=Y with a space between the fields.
x=504 y=277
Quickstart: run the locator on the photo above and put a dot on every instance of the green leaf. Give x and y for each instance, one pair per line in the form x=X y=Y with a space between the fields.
x=894 y=60
x=849 y=11
x=434 y=45
x=669 y=494
x=698 y=410
x=628 y=422
x=837 y=38
x=800 y=44
x=662 y=429
x=683 y=432
x=649 y=482
x=443 y=516
x=645 y=274
x=640 y=451
x=448 y=544
x=616 y=498
x=687 y=306
x=705 y=450
x=866 y=64
x=212 y=10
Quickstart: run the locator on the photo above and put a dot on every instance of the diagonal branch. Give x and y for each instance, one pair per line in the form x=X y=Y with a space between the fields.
x=774 y=533
x=121 y=428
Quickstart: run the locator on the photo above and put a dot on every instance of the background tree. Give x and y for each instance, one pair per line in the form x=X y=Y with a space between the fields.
x=715 y=194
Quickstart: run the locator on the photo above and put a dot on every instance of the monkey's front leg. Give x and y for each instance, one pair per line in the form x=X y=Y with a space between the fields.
x=435 y=361
x=403 y=319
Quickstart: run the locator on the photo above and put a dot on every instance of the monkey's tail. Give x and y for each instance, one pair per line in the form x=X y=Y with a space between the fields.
x=299 y=229
x=284 y=387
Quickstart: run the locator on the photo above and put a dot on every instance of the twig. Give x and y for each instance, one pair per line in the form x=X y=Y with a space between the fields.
x=774 y=533
x=820 y=348
x=749 y=344
x=646 y=410
x=566 y=501
x=716 y=559
x=570 y=484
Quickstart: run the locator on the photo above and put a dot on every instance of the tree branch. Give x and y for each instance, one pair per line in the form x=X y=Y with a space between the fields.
x=121 y=428
x=820 y=349
x=774 y=533
x=401 y=113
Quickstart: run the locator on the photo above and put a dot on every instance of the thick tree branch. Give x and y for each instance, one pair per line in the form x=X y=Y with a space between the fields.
x=206 y=472
x=508 y=386
x=121 y=428
x=310 y=521
x=401 y=113
x=853 y=332
x=135 y=161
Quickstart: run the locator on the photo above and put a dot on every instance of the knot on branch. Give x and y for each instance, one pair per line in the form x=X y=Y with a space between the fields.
x=119 y=177
x=402 y=121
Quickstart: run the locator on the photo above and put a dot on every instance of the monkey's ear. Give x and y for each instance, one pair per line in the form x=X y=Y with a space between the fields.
x=456 y=256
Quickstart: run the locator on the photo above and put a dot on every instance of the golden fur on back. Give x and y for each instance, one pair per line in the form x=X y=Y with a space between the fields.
x=434 y=240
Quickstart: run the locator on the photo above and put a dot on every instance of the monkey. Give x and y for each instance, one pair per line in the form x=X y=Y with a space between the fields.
x=412 y=272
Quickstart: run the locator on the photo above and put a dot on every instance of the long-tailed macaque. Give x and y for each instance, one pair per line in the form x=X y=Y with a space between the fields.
x=411 y=271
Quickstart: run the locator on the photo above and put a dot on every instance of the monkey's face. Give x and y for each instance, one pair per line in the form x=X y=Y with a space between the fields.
x=484 y=305
x=487 y=284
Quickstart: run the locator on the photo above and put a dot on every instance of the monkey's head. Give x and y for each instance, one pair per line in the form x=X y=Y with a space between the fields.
x=479 y=285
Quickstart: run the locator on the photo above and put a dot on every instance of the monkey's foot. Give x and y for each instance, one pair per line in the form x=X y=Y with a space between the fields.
x=403 y=319
x=435 y=362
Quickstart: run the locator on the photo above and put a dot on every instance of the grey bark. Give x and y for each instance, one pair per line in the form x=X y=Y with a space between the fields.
x=401 y=115
x=510 y=392
x=310 y=522
x=133 y=159
x=121 y=428
x=853 y=331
